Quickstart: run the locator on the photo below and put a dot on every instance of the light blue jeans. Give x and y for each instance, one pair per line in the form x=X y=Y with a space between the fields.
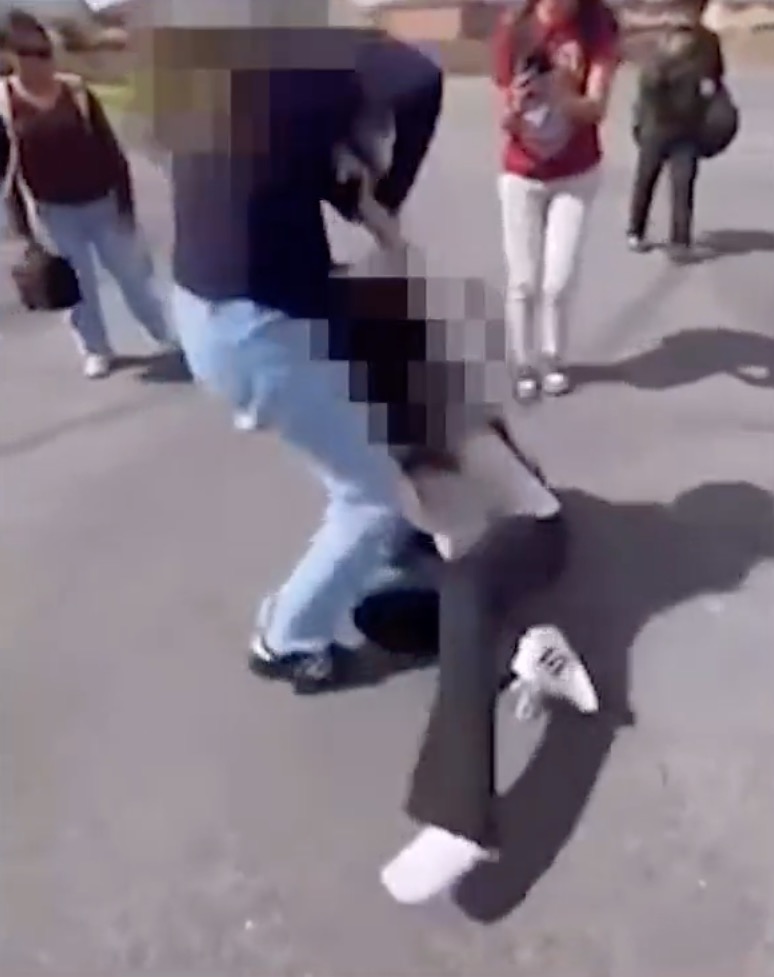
x=81 y=232
x=258 y=358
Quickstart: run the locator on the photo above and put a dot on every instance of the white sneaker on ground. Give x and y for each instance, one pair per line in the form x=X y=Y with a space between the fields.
x=545 y=666
x=637 y=244
x=525 y=385
x=555 y=380
x=246 y=420
x=430 y=865
x=96 y=366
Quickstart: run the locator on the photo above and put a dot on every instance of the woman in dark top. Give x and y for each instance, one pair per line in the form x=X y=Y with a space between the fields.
x=75 y=183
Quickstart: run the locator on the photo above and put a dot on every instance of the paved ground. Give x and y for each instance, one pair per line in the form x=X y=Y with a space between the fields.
x=163 y=813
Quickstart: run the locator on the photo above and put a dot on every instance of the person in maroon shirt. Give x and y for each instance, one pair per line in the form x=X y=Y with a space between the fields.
x=76 y=187
x=554 y=62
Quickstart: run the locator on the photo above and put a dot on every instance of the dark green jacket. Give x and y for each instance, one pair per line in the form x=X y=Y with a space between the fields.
x=670 y=102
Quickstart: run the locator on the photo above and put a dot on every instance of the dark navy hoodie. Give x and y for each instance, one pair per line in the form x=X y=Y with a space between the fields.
x=252 y=226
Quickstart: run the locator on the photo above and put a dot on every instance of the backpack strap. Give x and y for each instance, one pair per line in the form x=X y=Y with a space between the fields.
x=6 y=118
x=13 y=174
x=79 y=91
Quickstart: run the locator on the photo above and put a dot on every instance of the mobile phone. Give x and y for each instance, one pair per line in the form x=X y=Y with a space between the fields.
x=537 y=63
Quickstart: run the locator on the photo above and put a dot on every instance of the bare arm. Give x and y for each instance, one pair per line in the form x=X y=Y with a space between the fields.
x=123 y=179
x=590 y=106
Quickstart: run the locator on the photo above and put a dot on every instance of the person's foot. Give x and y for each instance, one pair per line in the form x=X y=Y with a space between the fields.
x=309 y=672
x=545 y=666
x=434 y=862
x=637 y=243
x=246 y=420
x=681 y=254
x=554 y=380
x=525 y=384
x=97 y=365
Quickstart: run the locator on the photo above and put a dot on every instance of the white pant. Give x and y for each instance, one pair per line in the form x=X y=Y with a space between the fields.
x=543 y=230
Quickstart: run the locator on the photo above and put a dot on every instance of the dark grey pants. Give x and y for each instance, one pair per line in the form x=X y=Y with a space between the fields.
x=682 y=159
x=475 y=618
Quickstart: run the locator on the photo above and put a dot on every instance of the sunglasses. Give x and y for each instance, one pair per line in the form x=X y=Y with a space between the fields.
x=40 y=53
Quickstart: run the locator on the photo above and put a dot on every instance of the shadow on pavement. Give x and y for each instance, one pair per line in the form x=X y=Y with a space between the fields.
x=722 y=243
x=687 y=357
x=631 y=562
x=168 y=367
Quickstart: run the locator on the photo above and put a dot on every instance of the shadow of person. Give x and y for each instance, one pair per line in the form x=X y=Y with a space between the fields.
x=722 y=243
x=630 y=562
x=687 y=357
x=167 y=367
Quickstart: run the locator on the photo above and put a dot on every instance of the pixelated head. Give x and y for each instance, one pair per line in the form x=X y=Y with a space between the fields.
x=188 y=51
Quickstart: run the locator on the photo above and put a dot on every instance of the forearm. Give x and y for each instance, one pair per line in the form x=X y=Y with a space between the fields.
x=416 y=118
x=122 y=179
x=584 y=109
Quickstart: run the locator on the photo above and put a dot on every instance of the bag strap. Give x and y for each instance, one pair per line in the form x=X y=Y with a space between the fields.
x=80 y=94
x=6 y=117
x=14 y=174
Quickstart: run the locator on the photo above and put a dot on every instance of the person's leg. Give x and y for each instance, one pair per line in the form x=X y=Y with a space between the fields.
x=125 y=256
x=523 y=207
x=683 y=168
x=650 y=162
x=566 y=224
x=453 y=786
x=238 y=348
x=69 y=228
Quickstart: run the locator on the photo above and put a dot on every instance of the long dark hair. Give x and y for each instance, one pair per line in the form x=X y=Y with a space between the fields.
x=595 y=18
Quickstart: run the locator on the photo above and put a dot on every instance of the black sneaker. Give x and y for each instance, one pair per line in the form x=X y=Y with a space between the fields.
x=682 y=254
x=309 y=672
x=322 y=671
x=268 y=664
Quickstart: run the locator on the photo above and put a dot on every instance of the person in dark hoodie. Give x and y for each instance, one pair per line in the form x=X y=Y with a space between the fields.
x=681 y=75
x=252 y=141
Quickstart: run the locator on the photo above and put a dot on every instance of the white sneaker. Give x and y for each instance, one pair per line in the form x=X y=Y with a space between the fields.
x=637 y=244
x=555 y=380
x=545 y=666
x=430 y=865
x=525 y=385
x=96 y=366
x=245 y=420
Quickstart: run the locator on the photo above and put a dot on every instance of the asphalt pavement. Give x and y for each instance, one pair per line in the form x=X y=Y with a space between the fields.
x=163 y=812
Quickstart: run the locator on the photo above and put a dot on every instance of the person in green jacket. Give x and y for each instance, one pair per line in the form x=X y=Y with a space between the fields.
x=683 y=72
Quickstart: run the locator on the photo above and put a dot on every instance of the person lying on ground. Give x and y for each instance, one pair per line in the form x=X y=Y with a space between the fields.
x=500 y=530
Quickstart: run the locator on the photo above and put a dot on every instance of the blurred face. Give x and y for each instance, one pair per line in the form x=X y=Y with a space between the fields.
x=34 y=58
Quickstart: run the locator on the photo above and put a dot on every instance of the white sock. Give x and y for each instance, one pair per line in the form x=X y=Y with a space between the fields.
x=430 y=865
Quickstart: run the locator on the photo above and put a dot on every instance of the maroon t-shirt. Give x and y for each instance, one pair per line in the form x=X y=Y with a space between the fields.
x=567 y=44
x=64 y=158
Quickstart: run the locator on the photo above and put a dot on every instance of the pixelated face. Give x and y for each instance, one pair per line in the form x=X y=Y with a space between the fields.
x=189 y=53
x=426 y=353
